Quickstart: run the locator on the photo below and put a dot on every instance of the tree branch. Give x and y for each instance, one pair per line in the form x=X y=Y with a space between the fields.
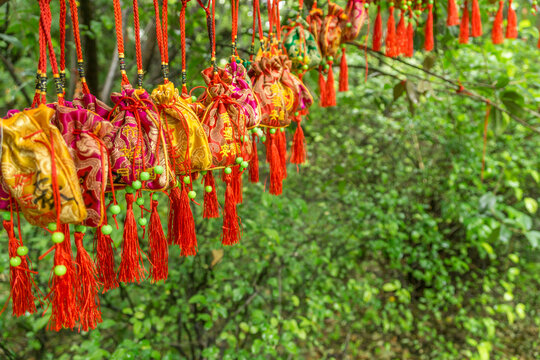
x=15 y=77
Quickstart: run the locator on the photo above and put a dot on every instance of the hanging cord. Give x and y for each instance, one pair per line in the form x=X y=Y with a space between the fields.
x=47 y=16
x=183 y=46
x=77 y=37
x=120 y=40
x=256 y=23
x=63 y=11
x=210 y=11
x=234 y=29
x=161 y=35
x=138 y=53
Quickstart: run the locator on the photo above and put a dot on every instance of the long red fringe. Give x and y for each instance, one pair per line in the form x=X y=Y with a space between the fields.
x=298 y=150
x=158 y=252
x=391 y=41
x=401 y=34
x=453 y=15
x=231 y=227
x=282 y=148
x=237 y=184
x=254 y=163
x=322 y=87
x=330 y=91
x=410 y=39
x=377 y=31
x=343 y=72
x=464 y=26
x=476 y=20
x=22 y=297
x=87 y=287
x=497 y=31
x=428 y=43
x=211 y=205
x=104 y=258
x=131 y=265
x=173 y=225
x=511 y=25
x=188 y=238
x=276 y=178
x=63 y=296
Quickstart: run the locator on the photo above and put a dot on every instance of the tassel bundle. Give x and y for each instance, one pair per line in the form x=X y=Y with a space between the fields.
x=476 y=20
x=158 y=253
x=343 y=72
x=401 y=34
x=464 y=26
x=298 y=150
x=231 y=227
x=377 y=31
x=87 y=287
x=173 y=226
x=391 y=42
x=330 y=91
x=254 y=163
x=276 y=178
x=282 y=149
x=131 y=266
x=511 y=25
x=211 y=205
x=237 y=184
x=428 y=42
x=410 y=39
x=104 y=253
x=188 y=238
x=453 y=16
x=497 y=32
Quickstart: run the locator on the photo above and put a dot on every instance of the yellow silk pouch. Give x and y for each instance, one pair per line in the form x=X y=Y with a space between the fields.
x=187 y=142
x=28 y=144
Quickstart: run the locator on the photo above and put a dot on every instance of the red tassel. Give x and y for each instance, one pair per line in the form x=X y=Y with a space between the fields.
x=131 y=266
x=343 y=72
x=322 y=87
x=410 y=36
x=87 y=287
x=330 y=90
x=211 y=205
x=276 y=178
x=464 y=26
x=401 y=34
x=20 y=280
x=453 y=16
x=476 y=20
x=63 y=297
x=237 y=184
x=103 y=246
x=282 y=148
x=391 y=43
x=231 y=228
x=298 y=151
x=188 y=238
x=377 y=31
x=158 y=252
x=497 y=31
x=511 y=25
x=173 y=226
x=428 y=42
x=254 y=163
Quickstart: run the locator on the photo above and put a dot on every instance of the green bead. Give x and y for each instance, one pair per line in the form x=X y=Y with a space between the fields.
x=204 y=172
x=244 y=164
x=208 y=189
x=239 y=160
x=60 y=270
x=390 y=4
x=263 y=138
x=22 y=250
x=58 y=237
x=140 y=201
x=330 y=58
x=272 y=131
x=129 y=190
x=142 y=222
x=296 y=113
x=350 y=24
x=193 y=98
x=282 y=129
x=106 y=229
x=115 y=209
x=187 y=179
x=136 y=185
x=326 y=66
x=144 y=176
x=192 y=194
x=80 y=228
x=227 y=170
x=159 y=169
x=404 y=7
x=6 y=216
x=246 y=138
x=300 y=59
x=410 y=2
x=366 y=5
x=15 y=261
x=51 y=226
x=305 y=67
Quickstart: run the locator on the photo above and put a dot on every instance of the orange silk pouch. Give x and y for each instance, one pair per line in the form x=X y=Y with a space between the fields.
x=37 y=168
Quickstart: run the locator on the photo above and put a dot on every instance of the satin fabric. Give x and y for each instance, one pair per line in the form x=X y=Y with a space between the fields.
x=27 y=168
x=185 y=134
x=300 y=42
x=139 y=143
x=297 y=96
x=224 y=120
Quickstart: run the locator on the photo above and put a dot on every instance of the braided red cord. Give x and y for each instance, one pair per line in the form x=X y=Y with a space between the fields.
x=158 y=31
x=77 y=37
x=46 y=24
x=136 y=26
x=63 y=11
x=183 y=44
x=120 y=38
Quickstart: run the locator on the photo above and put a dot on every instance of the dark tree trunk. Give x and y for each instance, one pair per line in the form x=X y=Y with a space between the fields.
x=90 y=47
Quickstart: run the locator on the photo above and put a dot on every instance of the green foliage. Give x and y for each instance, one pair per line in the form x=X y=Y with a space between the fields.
x=386 y=245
